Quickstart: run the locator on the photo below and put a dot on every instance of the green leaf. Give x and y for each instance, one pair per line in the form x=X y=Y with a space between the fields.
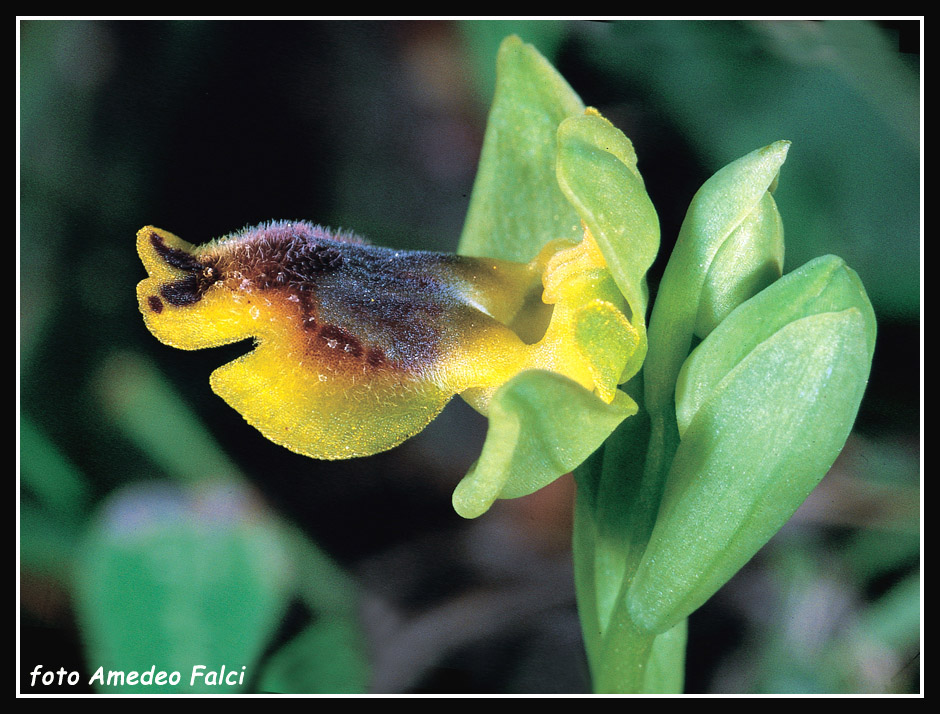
x=153 y=415
x=172 y=579
x=49 y=475
x=54 y=502
x=541 y=426
x=516 y=206
x=323 y=659
x=772 y=423
x=47 y=541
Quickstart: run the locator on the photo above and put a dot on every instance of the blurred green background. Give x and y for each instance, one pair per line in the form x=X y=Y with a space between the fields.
x=158 y=529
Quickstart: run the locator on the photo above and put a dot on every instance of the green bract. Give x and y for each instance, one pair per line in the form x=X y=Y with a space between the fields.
x=765 y=405
x=749 y=259
x=824 y=285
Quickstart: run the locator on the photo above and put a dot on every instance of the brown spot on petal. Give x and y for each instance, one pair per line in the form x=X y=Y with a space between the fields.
x=188 y=290
x=342 y=340
x=375 y=358
x=174 y=256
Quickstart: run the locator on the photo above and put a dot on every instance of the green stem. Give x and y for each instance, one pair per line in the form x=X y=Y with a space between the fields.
x=624 y=660
x=616 y=506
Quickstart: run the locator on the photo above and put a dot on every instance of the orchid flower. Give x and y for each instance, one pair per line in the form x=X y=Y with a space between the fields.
x=692 y=440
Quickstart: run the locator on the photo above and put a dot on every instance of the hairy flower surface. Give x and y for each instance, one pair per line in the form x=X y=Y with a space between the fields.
x=359 y=347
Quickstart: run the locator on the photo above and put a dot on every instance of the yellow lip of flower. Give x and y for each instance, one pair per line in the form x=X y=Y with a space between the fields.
x=359 y=347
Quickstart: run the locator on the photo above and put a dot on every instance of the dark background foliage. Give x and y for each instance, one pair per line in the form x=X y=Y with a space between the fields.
x=204 y=127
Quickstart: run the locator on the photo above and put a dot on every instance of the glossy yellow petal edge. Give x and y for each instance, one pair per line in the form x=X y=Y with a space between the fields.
x=358 y=347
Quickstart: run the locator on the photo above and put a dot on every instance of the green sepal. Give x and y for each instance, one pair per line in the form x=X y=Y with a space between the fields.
x=516 y=206
x=541 y=426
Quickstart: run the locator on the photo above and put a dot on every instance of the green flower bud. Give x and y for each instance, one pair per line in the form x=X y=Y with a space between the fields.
x=750 y=258
x=764 y=406
x=697 y=291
